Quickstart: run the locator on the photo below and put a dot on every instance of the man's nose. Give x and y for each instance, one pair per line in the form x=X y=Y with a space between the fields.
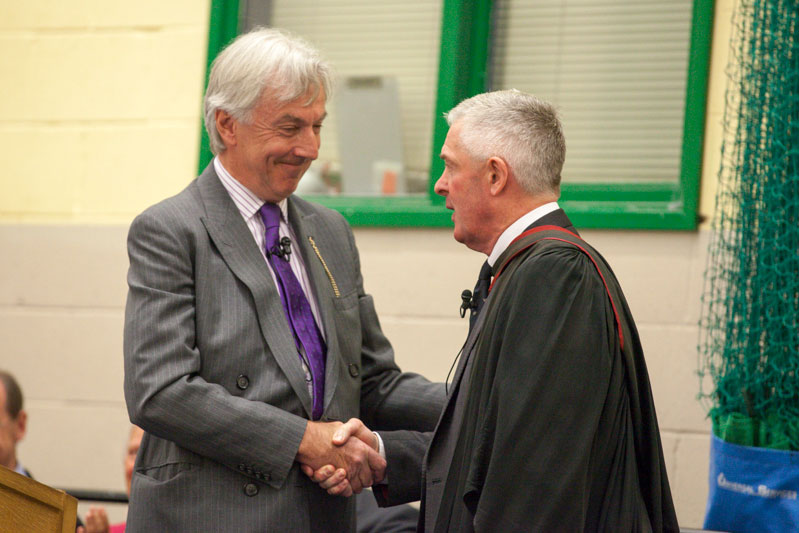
x=440 y=186
x=308 y=144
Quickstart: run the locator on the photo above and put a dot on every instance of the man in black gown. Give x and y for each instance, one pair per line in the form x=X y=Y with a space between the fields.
x=550 y=423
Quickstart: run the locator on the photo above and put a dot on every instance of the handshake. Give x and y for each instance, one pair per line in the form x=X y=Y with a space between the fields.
x=342 y=458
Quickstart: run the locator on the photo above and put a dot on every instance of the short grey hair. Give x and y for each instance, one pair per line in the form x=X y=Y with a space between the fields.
x=263 y=61
x=521 y=129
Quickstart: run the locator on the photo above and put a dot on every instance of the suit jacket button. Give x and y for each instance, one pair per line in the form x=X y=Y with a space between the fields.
x=354 y=370
x=251 y=489
x=242 y=382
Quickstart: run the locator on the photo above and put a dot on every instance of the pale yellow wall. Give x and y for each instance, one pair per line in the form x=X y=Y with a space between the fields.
x=100 y=112
x=717 y=86
x=102 y=119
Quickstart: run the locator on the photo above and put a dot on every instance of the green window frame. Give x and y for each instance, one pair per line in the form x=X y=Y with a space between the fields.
x=463 y=65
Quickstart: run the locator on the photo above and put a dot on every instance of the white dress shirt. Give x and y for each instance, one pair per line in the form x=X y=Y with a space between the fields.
x=517 y=228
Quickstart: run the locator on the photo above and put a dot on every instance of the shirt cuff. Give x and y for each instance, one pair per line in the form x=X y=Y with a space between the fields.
x=380 y=449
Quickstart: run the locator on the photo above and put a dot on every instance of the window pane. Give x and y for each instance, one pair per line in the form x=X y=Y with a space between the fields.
x=386 y=57
x=616 y=69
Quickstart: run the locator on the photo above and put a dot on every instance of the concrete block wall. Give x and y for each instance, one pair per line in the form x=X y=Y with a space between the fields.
x=62 y=292
x=97 y=95
x=103 y=119
x=61 y=330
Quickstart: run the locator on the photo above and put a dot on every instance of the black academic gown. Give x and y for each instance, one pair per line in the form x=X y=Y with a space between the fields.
x=557 y=428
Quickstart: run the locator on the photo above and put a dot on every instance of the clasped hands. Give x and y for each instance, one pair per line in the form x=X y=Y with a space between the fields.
x=342 y=458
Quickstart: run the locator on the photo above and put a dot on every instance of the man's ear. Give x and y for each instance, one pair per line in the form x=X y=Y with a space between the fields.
x=20 y=424
x=227 y=126
x=498 y=174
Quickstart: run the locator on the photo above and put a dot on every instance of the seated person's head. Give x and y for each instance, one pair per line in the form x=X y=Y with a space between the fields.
x=134 y=441
x=12 y=419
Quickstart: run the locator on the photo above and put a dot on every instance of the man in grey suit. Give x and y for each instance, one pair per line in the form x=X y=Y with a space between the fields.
x=248 y=335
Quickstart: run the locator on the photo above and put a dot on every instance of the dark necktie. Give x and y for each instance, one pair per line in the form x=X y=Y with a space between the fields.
x=480 y=293
x=298 y=311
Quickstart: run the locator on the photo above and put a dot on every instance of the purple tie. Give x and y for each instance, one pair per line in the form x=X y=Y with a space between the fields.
x=298 y=310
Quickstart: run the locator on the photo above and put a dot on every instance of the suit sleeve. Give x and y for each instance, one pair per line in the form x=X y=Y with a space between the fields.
x=405 y=452
x=530 y=468
x=164 y=392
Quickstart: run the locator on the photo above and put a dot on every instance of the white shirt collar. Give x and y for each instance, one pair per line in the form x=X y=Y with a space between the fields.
x=517 y=228
x=20 y=469
x=246 y=201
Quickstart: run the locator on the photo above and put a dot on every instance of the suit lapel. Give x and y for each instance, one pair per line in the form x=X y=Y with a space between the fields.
x=234 y=241
x=306 y=225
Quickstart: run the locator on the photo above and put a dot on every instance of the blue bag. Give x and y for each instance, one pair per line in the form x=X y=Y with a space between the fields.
x=752 y=489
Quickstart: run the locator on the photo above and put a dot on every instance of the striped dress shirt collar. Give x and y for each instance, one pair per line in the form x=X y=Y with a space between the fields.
x=246 y=201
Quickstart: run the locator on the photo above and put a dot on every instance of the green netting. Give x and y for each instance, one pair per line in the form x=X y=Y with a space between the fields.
x=749 y=331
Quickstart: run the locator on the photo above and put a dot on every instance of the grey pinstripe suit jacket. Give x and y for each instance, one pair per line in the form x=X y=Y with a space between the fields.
x=212 y=373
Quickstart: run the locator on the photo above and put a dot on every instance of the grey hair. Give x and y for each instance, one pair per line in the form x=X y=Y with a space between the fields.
x=521 y=129
x=262 y=61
